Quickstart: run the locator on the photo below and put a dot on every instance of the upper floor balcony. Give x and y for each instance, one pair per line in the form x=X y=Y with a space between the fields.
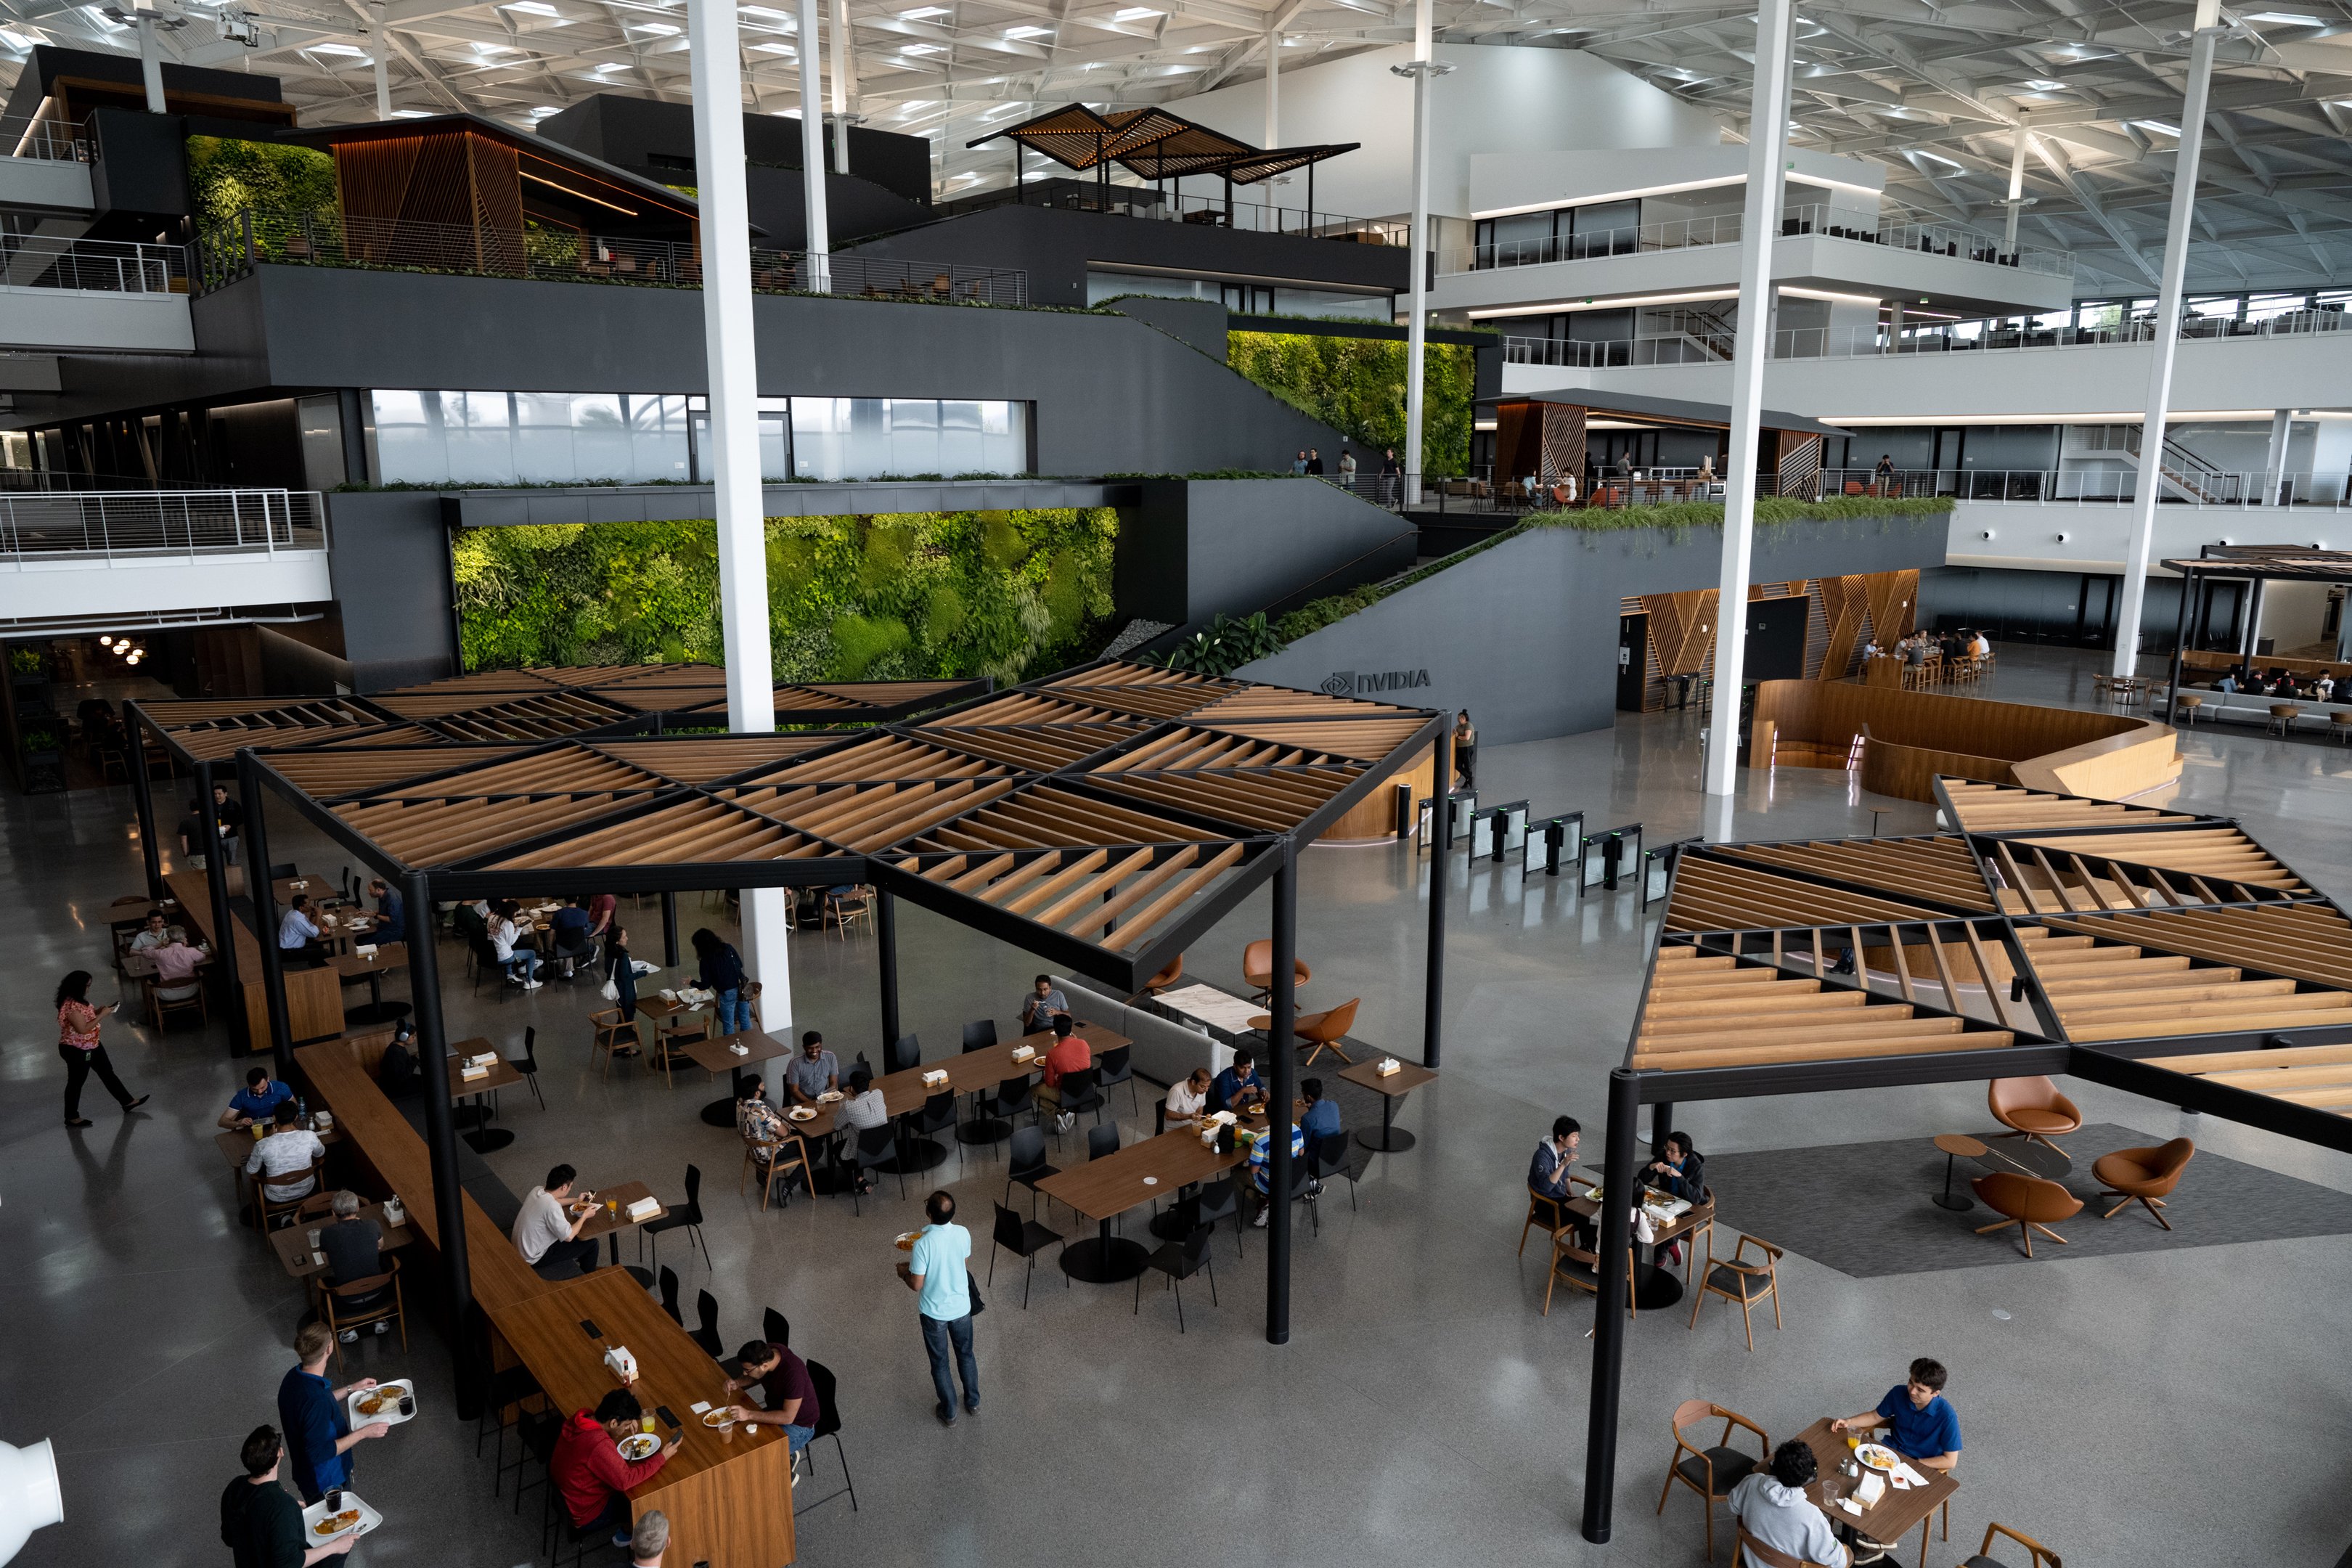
x=1240 y=212
x=93 y=296
x=1948 y=241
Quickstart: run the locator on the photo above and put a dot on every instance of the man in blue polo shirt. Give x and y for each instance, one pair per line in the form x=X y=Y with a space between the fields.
x=1238 y=1085
x=319 y=1434
x=260 y=1096
x=1926 y=1429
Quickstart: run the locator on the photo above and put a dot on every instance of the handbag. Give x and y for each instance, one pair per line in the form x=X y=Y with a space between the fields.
x=611 y=990
x=972 y=1288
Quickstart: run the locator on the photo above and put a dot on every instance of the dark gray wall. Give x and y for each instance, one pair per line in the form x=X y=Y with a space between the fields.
x=1055 y=247
x=630 y=132
x=1201 y=324
x=1192 y=549
x=1524 y=634
x=389 y=557
x=1111 y=394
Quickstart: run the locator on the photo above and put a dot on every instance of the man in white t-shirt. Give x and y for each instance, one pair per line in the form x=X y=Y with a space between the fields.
x=547 y=1231
x=282 y=1153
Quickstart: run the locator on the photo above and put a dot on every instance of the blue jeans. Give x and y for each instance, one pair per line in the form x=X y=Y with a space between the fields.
x=734 y=1016
x=798 y=1437
x=523 y=965
x=937 y=1334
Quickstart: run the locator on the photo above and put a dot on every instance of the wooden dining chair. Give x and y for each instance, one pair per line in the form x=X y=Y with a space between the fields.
x=1580 y=1270
x=613 y=1034
x=1748 y=1548
x=845 y=906
x=332 y=1297
x=266 y=1208
x=1551 y=1214
x=2037 y=1554
x=1712 y=1470
x=784 y=1157
x=161 y=1007
x=1741 y=1279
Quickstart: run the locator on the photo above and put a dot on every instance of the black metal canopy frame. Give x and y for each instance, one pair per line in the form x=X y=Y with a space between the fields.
x=2160 y=952
x=1156 y=145
x=2254 y=564
x=1104 y=819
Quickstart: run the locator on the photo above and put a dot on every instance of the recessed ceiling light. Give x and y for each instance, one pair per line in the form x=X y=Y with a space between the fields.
x=1027 y=32
x=659 y=29
x=544 y=111
x=2285 y=18
x=2159 y=126
x=776 y=49
x=2043 y=84
x=531 y=7
x=1134 y=13
x=350 y=49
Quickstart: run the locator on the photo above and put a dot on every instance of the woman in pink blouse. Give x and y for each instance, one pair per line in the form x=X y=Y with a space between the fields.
x=77 y=1043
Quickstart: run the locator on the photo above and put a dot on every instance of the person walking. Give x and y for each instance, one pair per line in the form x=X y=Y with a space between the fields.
x=1466 y=750
x=1299 y=464
x=316 y=1416
x=720 y=970
x=77 y=1043
x=260 y=1525
x=1314 y=461
x=938 y=1270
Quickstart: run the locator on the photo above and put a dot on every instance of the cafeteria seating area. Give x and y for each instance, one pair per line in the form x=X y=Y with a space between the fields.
x=1430 y=1404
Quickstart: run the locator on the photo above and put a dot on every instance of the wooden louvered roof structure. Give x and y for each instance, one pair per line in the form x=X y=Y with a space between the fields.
x=2157 y=950
x=1102 y=818
x=1154 y=144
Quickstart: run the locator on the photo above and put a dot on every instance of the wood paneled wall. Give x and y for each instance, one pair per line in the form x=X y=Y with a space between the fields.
x=450 y=179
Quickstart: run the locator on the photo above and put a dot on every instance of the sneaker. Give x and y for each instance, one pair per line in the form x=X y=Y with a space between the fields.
x=1065 y=1121
x=1314 y=1189
x=348 y=1336
x=622 y=1538
x=945 y=1416
x=1260 y=1221
x=796 y=1473
x=971 y=1407
x=533 y=984
x=383 y=1325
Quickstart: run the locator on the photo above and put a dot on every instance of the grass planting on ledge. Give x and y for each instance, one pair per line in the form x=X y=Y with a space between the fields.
x=903 y=596
x=1770 y=511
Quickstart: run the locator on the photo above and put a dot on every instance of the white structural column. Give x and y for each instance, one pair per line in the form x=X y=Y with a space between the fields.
x=1767 y=144
x=380 y=46
x=1421 y=69
x=2281 y=431
x=2145 y=494
x=151 y=60
x=732 y=361
x=820 y=274
x=2016 y=190
x=844 y=87
x=1273 y=88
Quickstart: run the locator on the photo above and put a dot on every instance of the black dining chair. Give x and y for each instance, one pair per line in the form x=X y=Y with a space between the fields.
x=1102 y=1141
x=669 y=1296
x=705 y=1331
x=1024 y=1239
x=1013 y=1097
x=1327 y=1161
x=776 y=1328
x=934 y=1116
x=1114 y=1067
x=978 y=1035
x=1029 y=1166
x=1079 y=1093
x=1180 y=1260
x=877 y=1147
x=527 y=1064
x=828 y=1424
x=686 y=1217
x=1220 y=1200
x=905 y=1054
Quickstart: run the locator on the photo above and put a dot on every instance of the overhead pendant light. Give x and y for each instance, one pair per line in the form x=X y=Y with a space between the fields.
x=106 y=642
x=29 y=1494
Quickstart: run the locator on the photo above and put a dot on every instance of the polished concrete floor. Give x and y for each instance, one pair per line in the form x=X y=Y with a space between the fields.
x=2187 y=1406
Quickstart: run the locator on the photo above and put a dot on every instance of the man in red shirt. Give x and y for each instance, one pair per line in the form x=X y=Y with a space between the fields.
x=1068 y=1054
x=588 y=1469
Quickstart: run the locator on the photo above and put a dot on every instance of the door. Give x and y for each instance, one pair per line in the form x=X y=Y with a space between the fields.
x=1632 y=661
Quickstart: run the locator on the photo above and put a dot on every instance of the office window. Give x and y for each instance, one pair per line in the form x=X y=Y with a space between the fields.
x=865 y=437
x=527 y=438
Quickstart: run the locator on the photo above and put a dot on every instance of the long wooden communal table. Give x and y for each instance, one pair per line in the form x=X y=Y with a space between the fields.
x=729 y=1497
x=729 y=1502
x=968 y=1072
x=314 y=997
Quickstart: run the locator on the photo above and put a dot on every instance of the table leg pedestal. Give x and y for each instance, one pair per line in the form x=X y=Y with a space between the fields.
x=1390 y=1138
x=1103 y=1258
x=1947 y=1199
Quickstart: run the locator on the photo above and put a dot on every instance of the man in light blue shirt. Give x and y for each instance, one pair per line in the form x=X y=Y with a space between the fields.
x=937 y=1272
x=298 y=936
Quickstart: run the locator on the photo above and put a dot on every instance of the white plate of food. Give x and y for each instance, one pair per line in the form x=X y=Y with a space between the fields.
x=354 y=1518
x=800 y=1113
x=724 y=1416
x=639 y=1445
x=380 y=1403
x=1879 y=1457
x=829 y=1096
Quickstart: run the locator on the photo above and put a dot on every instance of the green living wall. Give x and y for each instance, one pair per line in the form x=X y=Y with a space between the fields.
x=225 y=176
x=904 y=597
x=1356 y=386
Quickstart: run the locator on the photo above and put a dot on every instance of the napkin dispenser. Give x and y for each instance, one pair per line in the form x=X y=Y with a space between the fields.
x=482 y=1059
x=645 y=1208
x=364 y=949
x=1390 y=1066
x=624 y=1366
x=740 y=1050
x=936 y=1077
x=1023 y=1053
x=471 y=1071
x=1872 y=1487
x=394 y=1214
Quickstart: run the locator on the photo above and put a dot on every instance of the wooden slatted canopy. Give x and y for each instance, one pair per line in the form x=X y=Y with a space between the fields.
x=2153 y=950
x=1155 y=144
x=1102 y=819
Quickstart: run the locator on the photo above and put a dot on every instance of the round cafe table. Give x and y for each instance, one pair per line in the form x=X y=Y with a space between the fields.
x=1957 y=1146
x=1103 y=1258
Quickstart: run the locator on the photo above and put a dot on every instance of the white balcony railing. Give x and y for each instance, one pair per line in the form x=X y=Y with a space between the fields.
x=148 y=525
x=1821 y=221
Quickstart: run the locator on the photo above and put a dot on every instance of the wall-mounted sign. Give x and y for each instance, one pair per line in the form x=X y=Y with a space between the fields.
x=1353 y=683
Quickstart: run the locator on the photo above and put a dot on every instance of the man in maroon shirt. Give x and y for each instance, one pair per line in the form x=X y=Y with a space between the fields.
x=588 y=1469
x=786 y=1391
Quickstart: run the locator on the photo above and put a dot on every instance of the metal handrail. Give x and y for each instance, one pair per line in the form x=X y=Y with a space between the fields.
x=326 y=237
x=37 y=136
x=1255 y=216
x=93 y=265
x=1815 y=219
x=148 y=524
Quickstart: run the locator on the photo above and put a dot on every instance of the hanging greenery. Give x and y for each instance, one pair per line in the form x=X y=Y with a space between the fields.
x=1356 y=386
x=225 y=176
x=903 y=596
x=1225 y=647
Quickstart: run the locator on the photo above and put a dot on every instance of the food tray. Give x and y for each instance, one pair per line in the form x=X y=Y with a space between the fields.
x=390 y=1413
x=311 y=1539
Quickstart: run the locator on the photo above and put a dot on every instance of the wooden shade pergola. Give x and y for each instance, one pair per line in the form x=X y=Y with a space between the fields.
x=1156 y=145
x=2159 y=952
x=1103 y=819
